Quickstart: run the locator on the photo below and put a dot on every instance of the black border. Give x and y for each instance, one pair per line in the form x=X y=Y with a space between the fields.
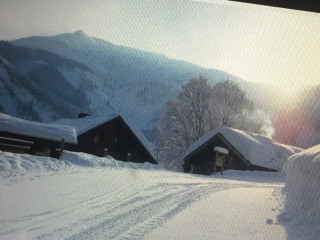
x=303 y=5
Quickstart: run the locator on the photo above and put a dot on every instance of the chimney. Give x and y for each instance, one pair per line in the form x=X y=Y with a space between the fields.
x=82 y=115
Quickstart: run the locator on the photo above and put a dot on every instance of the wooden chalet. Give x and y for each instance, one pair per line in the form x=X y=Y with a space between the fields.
x=109 y=135
x=44 y=139
x=202 y=157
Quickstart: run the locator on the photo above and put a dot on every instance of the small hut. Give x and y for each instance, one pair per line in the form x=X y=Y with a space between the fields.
x=226 y=148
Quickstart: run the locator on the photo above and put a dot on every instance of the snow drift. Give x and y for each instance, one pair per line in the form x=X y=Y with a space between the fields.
x=257 y=149
x=12 y=164
x=302 y=203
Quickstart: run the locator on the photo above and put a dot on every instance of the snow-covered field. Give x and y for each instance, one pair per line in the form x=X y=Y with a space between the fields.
x=86 y=197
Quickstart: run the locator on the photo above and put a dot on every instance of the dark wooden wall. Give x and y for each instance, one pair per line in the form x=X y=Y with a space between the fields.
x=203 y=160
x=115 y=136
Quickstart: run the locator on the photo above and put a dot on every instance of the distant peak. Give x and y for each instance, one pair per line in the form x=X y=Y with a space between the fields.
x=78 y=35
x=79 y=32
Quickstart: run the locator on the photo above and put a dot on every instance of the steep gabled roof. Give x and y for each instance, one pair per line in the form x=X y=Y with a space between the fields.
x=46 y=131
x=85 y=124
x=257 y=149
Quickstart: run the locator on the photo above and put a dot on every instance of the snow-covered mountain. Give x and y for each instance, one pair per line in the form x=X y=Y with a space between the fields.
x=134 y=83
x=32 y=85
x=130 y=82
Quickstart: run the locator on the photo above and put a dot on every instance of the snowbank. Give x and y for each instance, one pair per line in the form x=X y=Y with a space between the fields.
x=19 y=164
x=302 y=206
x=36 y=129
x=257 y=149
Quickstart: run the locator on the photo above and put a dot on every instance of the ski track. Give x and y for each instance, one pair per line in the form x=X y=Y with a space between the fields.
x=107 y=216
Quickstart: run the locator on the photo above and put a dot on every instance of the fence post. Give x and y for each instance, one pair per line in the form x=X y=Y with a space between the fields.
x=105 y=152
x=61 y=147
x=128 y=157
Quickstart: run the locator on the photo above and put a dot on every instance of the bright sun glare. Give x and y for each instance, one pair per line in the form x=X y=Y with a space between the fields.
x=291 y=95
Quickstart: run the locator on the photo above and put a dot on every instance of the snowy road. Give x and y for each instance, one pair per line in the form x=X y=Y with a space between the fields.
x=125 y=203
x=236 y=213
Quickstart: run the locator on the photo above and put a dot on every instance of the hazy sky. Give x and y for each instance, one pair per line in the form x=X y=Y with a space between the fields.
x=256 y=43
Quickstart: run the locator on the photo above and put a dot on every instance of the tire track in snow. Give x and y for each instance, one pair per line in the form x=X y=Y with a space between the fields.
x=171 y=208
x=118 y=214
x=28 y=222
x=138 y=215
x=107 y=216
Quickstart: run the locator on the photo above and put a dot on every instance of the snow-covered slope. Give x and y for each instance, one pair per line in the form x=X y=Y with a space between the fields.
x=17 y=100
x=257 y=149
x=302 y=211
x=32 y=85
x=136 y=84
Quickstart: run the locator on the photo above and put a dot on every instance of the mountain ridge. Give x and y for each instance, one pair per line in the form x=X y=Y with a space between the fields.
x=132 y=82
x=126 y=78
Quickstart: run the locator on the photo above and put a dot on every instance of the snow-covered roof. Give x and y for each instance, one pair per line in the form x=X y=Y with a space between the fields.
x=257 y=149
x=85 y=124
x=47 y=131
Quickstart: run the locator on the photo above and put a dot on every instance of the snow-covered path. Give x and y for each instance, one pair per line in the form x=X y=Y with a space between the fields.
x=236 y=213
x=131 y=203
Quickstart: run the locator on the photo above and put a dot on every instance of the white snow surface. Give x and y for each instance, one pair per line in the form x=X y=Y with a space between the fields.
x=86 y=197
x=302 y=205
x=36 y=129
x=257 y=149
